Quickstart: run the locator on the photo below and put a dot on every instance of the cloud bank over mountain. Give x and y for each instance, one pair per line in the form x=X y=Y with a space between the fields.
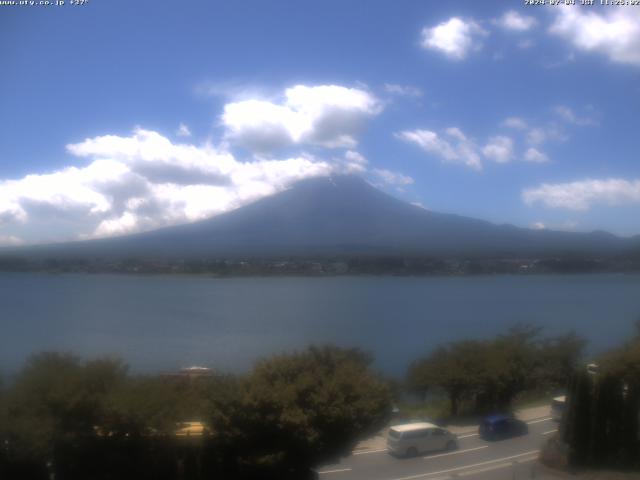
x=146 y=180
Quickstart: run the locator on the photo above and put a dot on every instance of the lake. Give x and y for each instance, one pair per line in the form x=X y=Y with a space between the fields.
x=168 y=322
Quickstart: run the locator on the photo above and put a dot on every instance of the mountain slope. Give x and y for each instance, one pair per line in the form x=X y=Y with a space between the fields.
x=342 y=215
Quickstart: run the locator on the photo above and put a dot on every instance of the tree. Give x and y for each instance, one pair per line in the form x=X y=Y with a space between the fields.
x=510 y=362
x=56 y=399
x=602 y=426
x=4 y=417
x=623 y=362
x=493 y=372
x=521 y=360
x=150 y=404
x=295 y=411
x=456 y=369
x=558 y=359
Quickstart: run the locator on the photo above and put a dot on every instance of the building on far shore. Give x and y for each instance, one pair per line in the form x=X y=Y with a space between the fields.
x=190 y=373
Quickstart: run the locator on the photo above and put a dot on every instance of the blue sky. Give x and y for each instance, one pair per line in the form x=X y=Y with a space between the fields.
x=126 y=116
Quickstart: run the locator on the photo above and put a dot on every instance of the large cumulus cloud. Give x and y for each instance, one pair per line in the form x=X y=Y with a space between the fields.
x=327 y=115
x=614 y=33
x=144 y=181
x=124 y=184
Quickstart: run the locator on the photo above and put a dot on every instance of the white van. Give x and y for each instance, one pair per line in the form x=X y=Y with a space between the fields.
x=414 y=438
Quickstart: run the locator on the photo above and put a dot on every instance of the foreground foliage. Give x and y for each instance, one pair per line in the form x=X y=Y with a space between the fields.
x=602 y=422
x=91 y=420
x=491 y=373
x=294 y=411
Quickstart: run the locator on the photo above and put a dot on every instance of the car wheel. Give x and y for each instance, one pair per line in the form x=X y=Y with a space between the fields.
x=451 y=445
x=412 y=452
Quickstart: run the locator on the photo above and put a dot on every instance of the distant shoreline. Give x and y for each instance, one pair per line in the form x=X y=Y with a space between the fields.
x=326 y=267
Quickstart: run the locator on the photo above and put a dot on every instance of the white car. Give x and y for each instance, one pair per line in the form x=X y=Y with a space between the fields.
x=414 y=438
x=558 y=405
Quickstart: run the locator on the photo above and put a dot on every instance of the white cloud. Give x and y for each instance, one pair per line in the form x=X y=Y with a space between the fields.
x=570 y=116
x=499 y=149
x=393 y=178
x=183 y=131
x=550 y=130
x=455 y=38
x=566 y=226
x=10 y=240
x=326 y=115
x=536 y=156
x=581 y=195
x=352 y=162
x=402 y=90
x=456 y=133
x=459 y=150
x=615 y=34
x=539 y=226
x=515 y=123
x=430 y=142
x=154 y=157
x=512 y=20
x=536 y=135
x=453 y=146
x=145 y=181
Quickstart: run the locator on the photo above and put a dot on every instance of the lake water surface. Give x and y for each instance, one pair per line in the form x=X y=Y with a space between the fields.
x=161 y=323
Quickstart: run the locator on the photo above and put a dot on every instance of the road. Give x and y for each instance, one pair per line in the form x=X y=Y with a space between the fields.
x=475 y=459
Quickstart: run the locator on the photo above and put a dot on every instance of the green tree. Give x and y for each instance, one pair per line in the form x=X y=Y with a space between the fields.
x=558 y=359
x=456 y=369
x=623 y=362
x=56 y=399
x=295 y=411
x=4 y=417
x=510 y=361
x=143 y=405
x=602 y=425
x=494 y=372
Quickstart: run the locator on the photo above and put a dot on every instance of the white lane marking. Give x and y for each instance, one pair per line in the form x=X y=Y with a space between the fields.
x=465 y=467
x=371 y=451
x=469 y=435
x=496 y=467
x=539 y=421
x=337 y=470
x=456 y=452
x=550 y=431
x=527 y=460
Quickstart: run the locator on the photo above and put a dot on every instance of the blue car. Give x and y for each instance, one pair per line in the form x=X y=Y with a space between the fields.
x=498 y=427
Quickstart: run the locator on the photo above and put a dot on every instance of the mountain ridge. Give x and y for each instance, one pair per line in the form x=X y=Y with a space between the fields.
x=340 y=215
